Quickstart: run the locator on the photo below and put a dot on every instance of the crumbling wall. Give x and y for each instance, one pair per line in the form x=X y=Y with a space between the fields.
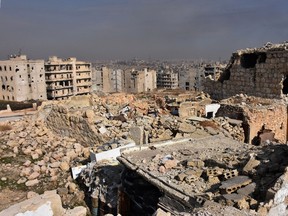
x=256 y=72
x=273 y=118
x=68 y=124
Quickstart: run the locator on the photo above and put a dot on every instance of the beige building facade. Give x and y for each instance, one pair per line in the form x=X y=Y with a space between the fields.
x=138 y=81
x=167 y=79
x=67 y=77
x=22 y=79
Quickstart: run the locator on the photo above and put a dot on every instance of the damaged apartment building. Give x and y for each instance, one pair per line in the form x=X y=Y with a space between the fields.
x=22 y=79
x=129 y=80
x=167 y=78
x=67 y=77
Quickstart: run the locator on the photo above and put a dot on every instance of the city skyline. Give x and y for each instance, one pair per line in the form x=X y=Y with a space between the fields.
x=163 y=29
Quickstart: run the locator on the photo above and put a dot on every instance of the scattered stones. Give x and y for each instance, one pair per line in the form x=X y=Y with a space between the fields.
x=31 y=183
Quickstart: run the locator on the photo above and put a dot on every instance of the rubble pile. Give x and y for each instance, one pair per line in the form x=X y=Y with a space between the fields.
x=246 y=177
x=105 y=124
x=33 y=158
x=231 y=128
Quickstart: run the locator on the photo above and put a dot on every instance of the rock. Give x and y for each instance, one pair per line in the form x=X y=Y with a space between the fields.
x=35 y=156
x=243 y=204
x=161 y=212
x=47 y=204
x=195 y=163
x=21 y=180
x=186 y=128
x=27 y=163
x=26 y=171
x=36 y=168
x=72 y=187
x=77 y=211
x=170 y=164
x=4 y=179
x=89 y=114
x=31 y=183
x=102 y=130
x=211 y=131
x=34 y=175
x=62 y=191
x=113 y=145
x=213 y=180
x=137 y=134
x=55 y=164
x=15 y=150
x=31 y=194
x=180 y=177
x=12 y=143
x=251 y=164
x=64 y=166
x=22 y=134
x=161 y=169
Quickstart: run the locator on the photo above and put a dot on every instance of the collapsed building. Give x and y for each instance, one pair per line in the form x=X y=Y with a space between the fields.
x=251 y=78
x=260 y=72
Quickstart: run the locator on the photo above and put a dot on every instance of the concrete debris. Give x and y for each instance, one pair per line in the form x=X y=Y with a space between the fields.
x=169 y=163
x=48 y=203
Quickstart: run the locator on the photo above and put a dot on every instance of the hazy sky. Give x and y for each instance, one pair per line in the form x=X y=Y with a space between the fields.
x=123 y=29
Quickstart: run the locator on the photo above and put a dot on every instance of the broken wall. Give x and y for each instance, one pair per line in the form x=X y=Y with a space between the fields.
x=273 y=118
x=254 y=119
x=68 y=124
x=257 y=72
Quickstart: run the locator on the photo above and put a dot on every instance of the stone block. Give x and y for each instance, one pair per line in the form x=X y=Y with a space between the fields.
x=214 y=172
x=137 y=134
x=250 y=165
x=230 y=174
x=232 y=199
x=233 y=184
x=247 y=190
x=195 y=163
x=180 y=177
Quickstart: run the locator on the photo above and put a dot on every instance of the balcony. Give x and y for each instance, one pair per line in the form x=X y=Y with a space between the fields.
x=84 y=83
x=52 y=88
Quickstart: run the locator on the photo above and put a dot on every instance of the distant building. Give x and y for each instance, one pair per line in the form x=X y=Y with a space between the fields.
x=22 y=79
x=67 y=77
x=97 y=79
x=213 y=70
x=190 y=78
x=167 y=79
x=137 y=81
x=107 y=80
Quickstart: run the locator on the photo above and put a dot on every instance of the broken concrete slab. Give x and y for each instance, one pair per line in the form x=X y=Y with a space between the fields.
x=234 y=122
x=47 y=204
x=110 y=154
x=247 y=190
x=233 y=184
x=137 y=134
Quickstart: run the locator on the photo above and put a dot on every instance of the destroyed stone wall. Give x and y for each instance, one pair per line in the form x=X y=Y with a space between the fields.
x=258 y=72
x=273 y=118
x=65 y=123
